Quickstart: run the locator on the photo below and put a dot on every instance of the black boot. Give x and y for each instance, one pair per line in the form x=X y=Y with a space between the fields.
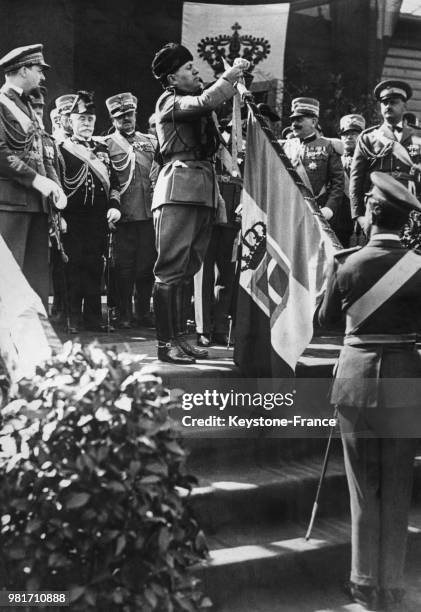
x=182 y=296
x=168 y=350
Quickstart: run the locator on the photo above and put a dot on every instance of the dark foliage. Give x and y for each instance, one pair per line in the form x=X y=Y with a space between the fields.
x=92 y=488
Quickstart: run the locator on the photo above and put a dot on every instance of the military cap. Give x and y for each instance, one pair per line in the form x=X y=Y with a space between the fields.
x=302 y=107
x=268 y=112
x=83 y=104
x=30 y=55
x=389 y=192
x=351 y=122
x=65 y=103
x=121 y=103
x=169 y=59
x=392 y=88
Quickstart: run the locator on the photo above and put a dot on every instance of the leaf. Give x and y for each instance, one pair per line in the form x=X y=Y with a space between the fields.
x=121 y=545
x=77 y=500
x=206 y=603
x=75 y=593
x=117 y=487
x=90 y=597
x=164 y=539
x=150 y=480
x=175 y=448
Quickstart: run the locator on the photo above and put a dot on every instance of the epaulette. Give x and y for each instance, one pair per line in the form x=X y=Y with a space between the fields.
x=337 y=145
x=152 y=139
x=346 y=252
x=100 y=139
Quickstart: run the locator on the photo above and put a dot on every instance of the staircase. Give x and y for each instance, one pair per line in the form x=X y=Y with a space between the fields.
x=254 y=500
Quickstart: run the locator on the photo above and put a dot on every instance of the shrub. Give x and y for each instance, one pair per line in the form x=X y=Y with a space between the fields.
x=90 y=491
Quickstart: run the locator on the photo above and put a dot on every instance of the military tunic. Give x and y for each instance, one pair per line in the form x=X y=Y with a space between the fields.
x=323 y=172
x=186 y=191
x=378 y=416
x=91 y=191
x=375 y=151
x=132 y=159
x=23 y=210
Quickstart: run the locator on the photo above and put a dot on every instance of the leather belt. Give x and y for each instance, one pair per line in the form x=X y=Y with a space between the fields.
x=356 y=340
x=184 y=156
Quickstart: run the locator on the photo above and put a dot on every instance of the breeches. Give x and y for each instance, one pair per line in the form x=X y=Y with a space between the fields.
x=182 y=237
x=214 y=283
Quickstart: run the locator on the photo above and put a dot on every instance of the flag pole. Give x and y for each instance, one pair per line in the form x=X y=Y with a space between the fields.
x=247 y=97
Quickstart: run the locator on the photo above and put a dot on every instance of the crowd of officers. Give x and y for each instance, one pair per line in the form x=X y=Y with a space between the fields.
x=159 y=200
x=121 y=189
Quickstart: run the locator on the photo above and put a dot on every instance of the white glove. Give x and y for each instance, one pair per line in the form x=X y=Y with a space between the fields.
x=327 y=213
x=45 y=185
x=60 y=202
x=235 y=72
x=113 y=215
x=63 y=225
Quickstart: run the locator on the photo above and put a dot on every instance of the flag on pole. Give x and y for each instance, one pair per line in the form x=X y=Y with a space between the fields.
x=286 y=244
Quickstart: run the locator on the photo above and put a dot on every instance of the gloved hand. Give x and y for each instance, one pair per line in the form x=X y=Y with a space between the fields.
x=60 y=202
x=327 y=213
x=48 y=188
x=113 y=215
x=63 y=225
x=235 y=72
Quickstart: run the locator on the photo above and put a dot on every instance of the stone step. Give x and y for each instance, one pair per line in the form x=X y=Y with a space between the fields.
x=229 y=451
x=281 y=556
x=310 y=594
x=251 y=494
x=271 y=492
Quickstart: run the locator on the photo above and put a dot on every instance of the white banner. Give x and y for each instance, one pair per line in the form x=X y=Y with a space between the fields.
x=256 y=32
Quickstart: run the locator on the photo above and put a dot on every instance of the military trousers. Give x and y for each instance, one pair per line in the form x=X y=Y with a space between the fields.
x=379 y=472
x=135 y=256
x=85 y=245
x=214 y=283
x=182 y=236
x=26 y=235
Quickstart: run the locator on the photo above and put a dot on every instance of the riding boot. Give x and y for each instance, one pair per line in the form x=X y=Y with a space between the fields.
x=168 y=349
x=182 y=297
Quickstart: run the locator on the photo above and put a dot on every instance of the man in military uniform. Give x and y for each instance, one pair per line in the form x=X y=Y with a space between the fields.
x=132 y=155
x=28 y=176
x=93 y=204
x=186 y=192
x=64 y=105
x=377 y=289
x=315 y=158
x=57 y=225
x=391 y=147
x=350 y=127
x=214 y=283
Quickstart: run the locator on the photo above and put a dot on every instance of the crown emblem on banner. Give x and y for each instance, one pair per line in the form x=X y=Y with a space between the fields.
x=254 y=246
x=226 y=46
